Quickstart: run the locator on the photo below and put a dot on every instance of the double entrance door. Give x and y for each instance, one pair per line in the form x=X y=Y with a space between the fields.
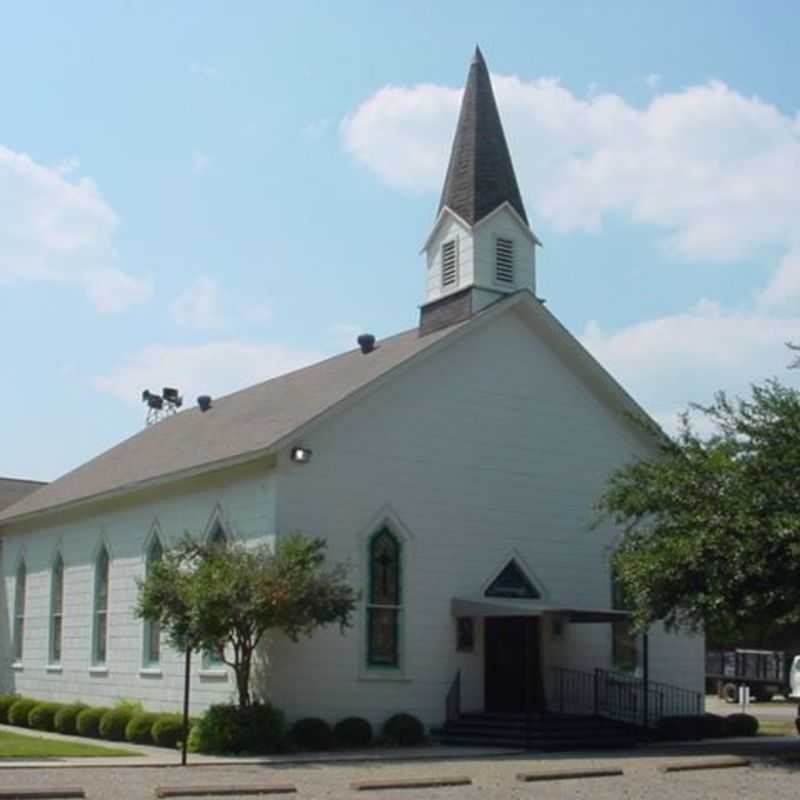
x=512 y=668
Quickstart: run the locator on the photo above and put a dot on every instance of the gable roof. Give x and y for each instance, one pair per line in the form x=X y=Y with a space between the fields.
x=238 y=427
x=480 y=175
x=12 y=489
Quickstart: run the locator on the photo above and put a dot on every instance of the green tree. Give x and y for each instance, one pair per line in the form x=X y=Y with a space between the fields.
x=224 y=598
x=711 y=526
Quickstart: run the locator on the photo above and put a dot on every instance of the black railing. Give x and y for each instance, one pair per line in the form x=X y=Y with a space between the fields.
x=619 y=696
x=453 y=699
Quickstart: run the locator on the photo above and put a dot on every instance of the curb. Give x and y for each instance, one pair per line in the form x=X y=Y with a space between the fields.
x=719 y=763
x=223 y=791
x=62 y=793
x=412 y=783
x=566 y=774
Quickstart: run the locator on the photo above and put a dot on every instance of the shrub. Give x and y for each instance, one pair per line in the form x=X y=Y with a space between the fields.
x=352 y=732
x=712 y=726
x=167 y=730
x=741 y=725
x=42 y=716
x=259 y=728
x=114 y=722
x=88 y=722
x=403 y=729
x=19 y=711
x=66 y=718
x=128 y=704
x=312 y=733
x=682 y=727
x=6 y=701
x=139 y=729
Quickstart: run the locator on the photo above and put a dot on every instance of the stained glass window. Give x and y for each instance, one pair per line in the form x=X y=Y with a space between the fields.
x=384 y=607
x=19 y=610
x=56 y=609
x=152 y=630
x=512 y=582
x=211 y=658
x=100 y=633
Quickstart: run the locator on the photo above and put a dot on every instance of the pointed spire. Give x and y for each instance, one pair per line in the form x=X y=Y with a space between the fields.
x=480 y=176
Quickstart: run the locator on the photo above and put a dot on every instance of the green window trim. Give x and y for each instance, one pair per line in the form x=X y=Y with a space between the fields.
x=56 y=610
x=384 y=601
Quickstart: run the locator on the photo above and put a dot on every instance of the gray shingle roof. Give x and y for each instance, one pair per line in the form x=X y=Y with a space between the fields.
x=12 y=489
x=247 y=422
x=480 y=176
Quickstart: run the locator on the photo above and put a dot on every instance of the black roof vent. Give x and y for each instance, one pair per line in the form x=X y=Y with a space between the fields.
x=366 y=342
x=204 y=401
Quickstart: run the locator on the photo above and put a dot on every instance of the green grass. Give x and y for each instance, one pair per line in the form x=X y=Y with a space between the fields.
x=14 y=745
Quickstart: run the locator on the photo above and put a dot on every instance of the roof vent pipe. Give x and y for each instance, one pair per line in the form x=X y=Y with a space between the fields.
x=204 y=401
x=366 y=342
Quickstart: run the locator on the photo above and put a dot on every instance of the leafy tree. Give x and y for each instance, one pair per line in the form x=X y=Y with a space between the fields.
x=214 y=596
x=711 y=527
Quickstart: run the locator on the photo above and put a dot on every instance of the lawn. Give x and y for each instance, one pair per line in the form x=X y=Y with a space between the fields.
x=14 y=745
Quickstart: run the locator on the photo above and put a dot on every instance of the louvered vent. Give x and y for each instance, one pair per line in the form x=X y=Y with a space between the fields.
x=504 y=261
x=449 y=263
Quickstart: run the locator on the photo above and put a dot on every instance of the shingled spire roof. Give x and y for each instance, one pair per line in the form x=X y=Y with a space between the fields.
x=480 y=176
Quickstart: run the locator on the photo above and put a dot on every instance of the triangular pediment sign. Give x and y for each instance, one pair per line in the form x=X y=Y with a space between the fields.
x=512 y=582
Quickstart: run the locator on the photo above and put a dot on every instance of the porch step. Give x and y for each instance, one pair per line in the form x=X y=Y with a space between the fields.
x=546 y=732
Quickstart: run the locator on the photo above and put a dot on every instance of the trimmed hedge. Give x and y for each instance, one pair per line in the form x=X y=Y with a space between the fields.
x=66 y=718
x=19 y=711
x=113 y=724
x=741 y=725
x=139 y=729
x=6 y=701
x=259 y=729
x=88 y=722
x=312 y=733
x=42 y=716
x=352 y=732
x=167 y=730
x=404 y=729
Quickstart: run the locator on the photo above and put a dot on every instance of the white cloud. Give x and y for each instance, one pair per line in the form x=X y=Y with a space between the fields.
x=199 y=306
x=214 y=368
x=668 y=362
x=713 y=169
x=200 y=161
x=56 y=227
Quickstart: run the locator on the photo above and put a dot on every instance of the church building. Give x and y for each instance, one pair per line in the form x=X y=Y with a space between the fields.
x=455 y=466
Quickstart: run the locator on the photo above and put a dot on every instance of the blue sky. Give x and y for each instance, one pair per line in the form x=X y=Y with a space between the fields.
x=209 y=194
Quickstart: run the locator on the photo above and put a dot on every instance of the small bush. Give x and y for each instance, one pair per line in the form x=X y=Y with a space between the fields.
x=259 y=729
x=403 y=729
x=712 y=726
x=113 y=724
x=352 y=732
x=680 y=728
x=167 y=730
x=139 y=729
x=19 y=711
x=88 y=722
x=128 y=704
x=42 y=716
x=66 y=718
x=312 y=733
x=6 y=701
x=741 y=725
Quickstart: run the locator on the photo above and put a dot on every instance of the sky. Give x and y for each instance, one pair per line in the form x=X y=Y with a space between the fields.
x=206 y=195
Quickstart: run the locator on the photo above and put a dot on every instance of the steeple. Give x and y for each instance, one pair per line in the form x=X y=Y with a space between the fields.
x=482 y=246
x=480 y=176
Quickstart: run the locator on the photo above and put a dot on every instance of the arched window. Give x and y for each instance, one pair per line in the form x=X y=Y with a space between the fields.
x=19 y=610
x=100 y=627
x=384 y=601
x=217 y=538
x=152 y=630
x=56 y=609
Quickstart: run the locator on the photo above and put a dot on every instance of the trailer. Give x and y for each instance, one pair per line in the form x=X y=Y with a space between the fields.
x=764 y=672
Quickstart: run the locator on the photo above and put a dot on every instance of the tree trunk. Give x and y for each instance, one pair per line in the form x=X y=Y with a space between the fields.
x=242 y=671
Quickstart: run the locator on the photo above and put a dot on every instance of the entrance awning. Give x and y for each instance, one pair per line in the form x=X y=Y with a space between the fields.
x=512 y=607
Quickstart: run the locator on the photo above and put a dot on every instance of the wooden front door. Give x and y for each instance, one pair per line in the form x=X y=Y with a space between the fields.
x=512 y=672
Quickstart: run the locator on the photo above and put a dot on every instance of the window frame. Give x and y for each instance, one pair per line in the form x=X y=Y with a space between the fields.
x=396 y=608
x=209 y=660
x=56 y=632
x=20 y=592
x=151 y=631
x=512 y=267
x=99 y=657
x=451 y=284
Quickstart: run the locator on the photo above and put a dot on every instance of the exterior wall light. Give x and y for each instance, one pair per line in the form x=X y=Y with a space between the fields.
x=301 y=455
